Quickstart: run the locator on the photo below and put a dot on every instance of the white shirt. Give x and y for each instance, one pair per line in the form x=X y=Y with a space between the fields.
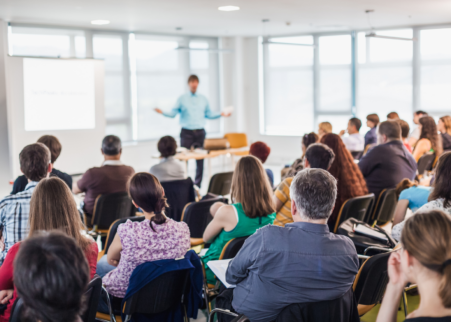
x=112 y=162
x=415 y=133
x=354 y=142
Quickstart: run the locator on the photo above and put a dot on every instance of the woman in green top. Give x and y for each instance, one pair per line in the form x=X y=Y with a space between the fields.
x=252 y=209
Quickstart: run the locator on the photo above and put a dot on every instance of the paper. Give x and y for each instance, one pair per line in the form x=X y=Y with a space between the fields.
x=363 y=230
x=219 y=268
x=203 y=252
x=228 y=109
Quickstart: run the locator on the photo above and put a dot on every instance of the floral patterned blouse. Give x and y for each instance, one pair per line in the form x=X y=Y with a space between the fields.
x=140 y=244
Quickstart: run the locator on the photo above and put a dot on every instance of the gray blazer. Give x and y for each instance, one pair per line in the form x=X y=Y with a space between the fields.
x=169 y=169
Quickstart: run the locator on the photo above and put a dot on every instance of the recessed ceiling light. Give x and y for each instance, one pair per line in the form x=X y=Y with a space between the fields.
x=100 y=22
x=229 y=8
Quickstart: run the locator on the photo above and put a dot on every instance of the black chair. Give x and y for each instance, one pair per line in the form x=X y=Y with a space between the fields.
x=178 y=193
x=197 y=216
x=356 y=208
x=425 y=163
x=357 y=155
x=92 y=295
x=232 y=248
x=220 y=183
x=17 y=311
x=384 y=209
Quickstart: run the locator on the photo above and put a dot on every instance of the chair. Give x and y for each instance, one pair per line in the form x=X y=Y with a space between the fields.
x=197 y=216
x=17 y=311
x=357 y=154
x=425 y=163
x=356 y=208
x=232 y=248
x=178 y=193
x=92 y=295
x=370 y=282
x=220 y=184
x=385 y=207
x=236 y=140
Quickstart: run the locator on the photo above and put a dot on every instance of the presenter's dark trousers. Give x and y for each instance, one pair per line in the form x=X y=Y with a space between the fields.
x=195 y=139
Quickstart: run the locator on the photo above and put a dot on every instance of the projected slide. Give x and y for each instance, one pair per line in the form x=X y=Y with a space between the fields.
x=58 y=94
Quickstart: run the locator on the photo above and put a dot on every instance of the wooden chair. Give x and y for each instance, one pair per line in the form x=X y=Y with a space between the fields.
x=236 y=140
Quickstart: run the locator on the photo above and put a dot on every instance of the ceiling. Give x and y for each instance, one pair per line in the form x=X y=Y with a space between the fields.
x=201 y=17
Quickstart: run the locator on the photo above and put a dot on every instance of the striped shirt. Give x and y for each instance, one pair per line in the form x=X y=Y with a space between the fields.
x=282 y=193
x=14 y=213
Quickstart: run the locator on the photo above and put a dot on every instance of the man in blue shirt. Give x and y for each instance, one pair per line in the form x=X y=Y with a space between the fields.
x=193 y=109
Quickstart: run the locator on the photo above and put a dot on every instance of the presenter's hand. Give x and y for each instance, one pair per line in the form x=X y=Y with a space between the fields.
x=226 y=114
x=158 y=110
x=342 y=132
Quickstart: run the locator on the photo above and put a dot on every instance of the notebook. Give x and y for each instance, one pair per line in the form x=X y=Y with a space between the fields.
x=363 y=230
x=219 y=268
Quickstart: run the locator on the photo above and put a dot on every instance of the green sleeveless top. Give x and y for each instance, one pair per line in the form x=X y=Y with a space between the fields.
x=245 y=227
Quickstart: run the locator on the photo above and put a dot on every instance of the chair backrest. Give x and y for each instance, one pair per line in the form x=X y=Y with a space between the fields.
x=425 y=163
x=161 y=294
x=357 y=155
x=385 y=206
x=197 y=216
x=220 y=183
x=236 y=140
x=110 y=207
x=178 y=193
x=232 y=248
x=92 y=296
x=371 y=280
x=113 y=229
x=355 y=207
x=17 y=311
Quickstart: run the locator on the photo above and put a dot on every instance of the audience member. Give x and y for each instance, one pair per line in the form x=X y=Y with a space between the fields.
x=324 y=128
x=298 y=165
x=372 y=120
x=261 y=151
x=405 y=130
x=424 y=260
x=55 y=147
x=440 y=196
x=444 y=126
x=415 y=135
x=355 y=141
x=392 y=116
x=52 y=207
x=252 y=209
x=302 y=262
x=385 y=165
x=155 y=238
x=111 y=177
x=169 y=168
x=410 y=195
x=429 y=138
x=51 y=276
x=317 y=156
x=351 y=183
x=35 y=164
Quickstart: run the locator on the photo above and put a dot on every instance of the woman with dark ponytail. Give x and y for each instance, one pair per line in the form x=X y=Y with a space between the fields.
x=424 y=259
x=155 y=238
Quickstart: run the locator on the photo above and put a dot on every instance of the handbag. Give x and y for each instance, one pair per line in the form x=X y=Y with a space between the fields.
x=216 y=144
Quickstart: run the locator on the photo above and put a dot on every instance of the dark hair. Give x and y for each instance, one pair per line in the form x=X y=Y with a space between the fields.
x=421 y=112
x=309 y=138
x=146 y=191
x=391 y=129
x=34 y=161
x=111 y=145
x=356 y=122
x=429 y=131
x=403 y=185
x=193 y=78
x=320 y=156
x=392 y=116
x=442 y=183
x=260 y=150
x=51 y=275
x=167 y=146
x=53 y=144
x=373 y=118
x=405 y=128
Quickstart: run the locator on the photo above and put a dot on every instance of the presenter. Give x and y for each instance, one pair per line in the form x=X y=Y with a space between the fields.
x=194 y=109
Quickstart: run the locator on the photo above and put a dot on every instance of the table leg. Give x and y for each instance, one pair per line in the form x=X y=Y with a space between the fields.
x=209 y=169
x=233 y=161
x=186 y=167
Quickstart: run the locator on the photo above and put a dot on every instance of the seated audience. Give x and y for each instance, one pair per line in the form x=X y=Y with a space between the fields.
x=350 y=180
x=410 y=195
x=393 y=116
x=299 y=263
x=429 y=140
x=261 y=151
x=405 y=129
x=324 y=128
x=52 y=207
x=54 y=146
x=14 y=209
x=155 y=238
x=440 y=196
x=298 y=165
x=424 y=260
x=415 y=135
x=169 y=168
x=111 y=177
x=386 y=164
x=252 y=209
x=355 y=141
x=317 y=156
x=444 y=126
x=51 y=276
x=372 y=120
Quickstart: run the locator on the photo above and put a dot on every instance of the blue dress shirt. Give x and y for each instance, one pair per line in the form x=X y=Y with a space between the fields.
x=193 y=109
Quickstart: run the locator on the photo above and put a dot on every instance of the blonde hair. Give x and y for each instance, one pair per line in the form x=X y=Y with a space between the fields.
x=251 y=188
x=326 y=127
x=447 y=122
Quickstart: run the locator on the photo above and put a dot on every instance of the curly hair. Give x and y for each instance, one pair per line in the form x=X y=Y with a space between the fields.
x=429 y=131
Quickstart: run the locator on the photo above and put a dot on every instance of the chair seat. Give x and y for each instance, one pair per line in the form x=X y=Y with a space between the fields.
x=196 y=241
x=106 y=317
x=363 y=309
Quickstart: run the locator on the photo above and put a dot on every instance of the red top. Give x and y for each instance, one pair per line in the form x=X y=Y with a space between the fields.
x=6 y=273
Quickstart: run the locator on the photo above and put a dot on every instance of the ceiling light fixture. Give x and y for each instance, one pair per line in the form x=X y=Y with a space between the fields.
x=269 y=42
x=373 y=35
x=210 y=50
x=229 y=8
x=100 y=22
